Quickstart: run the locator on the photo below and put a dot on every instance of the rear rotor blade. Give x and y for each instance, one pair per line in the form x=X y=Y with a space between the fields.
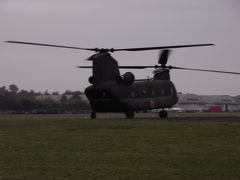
x=174 y=67
x=163 y=57
x=205 y=70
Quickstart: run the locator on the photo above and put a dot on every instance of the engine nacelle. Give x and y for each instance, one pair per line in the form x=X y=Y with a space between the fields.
x=127 y=78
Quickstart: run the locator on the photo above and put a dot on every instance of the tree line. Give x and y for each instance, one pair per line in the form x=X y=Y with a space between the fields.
x=13 y=100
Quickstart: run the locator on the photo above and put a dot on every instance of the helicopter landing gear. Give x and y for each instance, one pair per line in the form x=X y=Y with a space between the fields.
x=129 y=114
x=163 y=114
x=93 y=115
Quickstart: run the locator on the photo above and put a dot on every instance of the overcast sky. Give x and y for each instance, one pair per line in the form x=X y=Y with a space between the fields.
x=119 y=24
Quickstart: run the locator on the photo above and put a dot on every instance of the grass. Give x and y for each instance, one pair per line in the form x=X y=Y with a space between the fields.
x=72 y=147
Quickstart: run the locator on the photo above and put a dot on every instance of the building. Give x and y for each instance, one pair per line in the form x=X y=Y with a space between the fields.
x=237 y=99
x=212 y=103
x=223 y=103
x=190 y=102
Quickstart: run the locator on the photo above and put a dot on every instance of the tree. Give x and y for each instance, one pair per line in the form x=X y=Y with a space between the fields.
x=13 y=88
x=63 y=98
x=46 y=92
x=76 y=95
x=68 y=92
x=27 y=104
x=55 y=93
x=3 y=90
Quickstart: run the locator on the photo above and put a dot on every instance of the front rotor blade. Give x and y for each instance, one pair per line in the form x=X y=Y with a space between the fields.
x=162 y=47
x=123 y=67
x=87 y=67
x=134 y=67
x=205 y=70
x=51 y=45
x=109 y=50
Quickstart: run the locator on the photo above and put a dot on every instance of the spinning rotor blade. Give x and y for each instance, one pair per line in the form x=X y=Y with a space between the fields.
x=86 y=67
x=102 y=50
x=174 y=67
x=135 y=67
x=163 y=57
x=162 y=47
x=122 y=67
x=205 y=70
x=50 y=45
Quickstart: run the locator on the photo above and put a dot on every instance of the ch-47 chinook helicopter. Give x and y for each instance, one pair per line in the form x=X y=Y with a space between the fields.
x=112 y=92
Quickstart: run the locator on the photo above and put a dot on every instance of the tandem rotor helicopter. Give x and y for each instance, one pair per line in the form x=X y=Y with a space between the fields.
x=112 y=92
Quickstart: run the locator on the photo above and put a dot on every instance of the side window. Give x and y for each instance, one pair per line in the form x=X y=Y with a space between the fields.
x=103 y=94
x=162 y=92
x=133 y=94
x=144 y=93
x=153 y=92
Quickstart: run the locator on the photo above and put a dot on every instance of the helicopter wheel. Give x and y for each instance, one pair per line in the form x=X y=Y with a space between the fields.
x=129 y=114
x=93 y=115
x=163 y=114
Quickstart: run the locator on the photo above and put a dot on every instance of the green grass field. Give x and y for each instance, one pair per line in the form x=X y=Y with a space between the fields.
x=73 y=147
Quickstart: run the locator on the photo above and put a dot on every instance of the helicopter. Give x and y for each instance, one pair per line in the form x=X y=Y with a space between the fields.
x=112 y=92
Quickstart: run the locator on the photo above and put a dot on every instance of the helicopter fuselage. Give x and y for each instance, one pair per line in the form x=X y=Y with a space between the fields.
x=113 y=96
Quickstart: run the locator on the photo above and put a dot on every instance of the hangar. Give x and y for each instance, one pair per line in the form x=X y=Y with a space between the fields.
x=190 y=102
x=213 y=103
x=237 y=99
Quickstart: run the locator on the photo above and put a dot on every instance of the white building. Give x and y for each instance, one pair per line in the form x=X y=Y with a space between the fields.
x=193 y=102
x=190 y=102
